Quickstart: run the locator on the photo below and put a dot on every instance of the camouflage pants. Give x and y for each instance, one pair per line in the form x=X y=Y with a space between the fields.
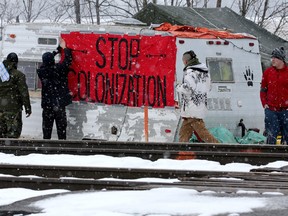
x=10 y=124
x=196 y=126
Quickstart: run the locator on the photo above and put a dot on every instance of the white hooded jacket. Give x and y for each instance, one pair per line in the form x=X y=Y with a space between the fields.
x=194 y=89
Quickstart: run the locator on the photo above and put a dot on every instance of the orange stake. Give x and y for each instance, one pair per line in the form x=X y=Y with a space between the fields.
x=146 y=123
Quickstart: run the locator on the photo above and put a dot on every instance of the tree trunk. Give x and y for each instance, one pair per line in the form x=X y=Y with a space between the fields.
x=90 y=11
x=243 y=8
x=266 y=6
x=205 y=3
x=137 y=5
x=28 y=9
x=219 y=3
x=97 y=8
x=77 y=11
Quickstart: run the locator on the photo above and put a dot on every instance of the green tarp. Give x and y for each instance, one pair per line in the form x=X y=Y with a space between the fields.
x=225 y=136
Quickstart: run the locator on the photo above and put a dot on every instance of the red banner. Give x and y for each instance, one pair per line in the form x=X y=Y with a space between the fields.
x=122 y=69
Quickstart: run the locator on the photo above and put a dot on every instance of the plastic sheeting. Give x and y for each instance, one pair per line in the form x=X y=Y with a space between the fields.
x=223 y=135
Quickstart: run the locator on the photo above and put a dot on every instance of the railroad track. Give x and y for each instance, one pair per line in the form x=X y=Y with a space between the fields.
x=223 y=153
x=89 y=178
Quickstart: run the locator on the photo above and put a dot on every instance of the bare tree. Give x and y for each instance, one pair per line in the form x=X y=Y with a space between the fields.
x=218 y=3
x=98 y=9
x=245 y=5
x=265 y=8
x=90 y=11
x=3 y=7
x=28 y=9
x=276 y=18
x=127 y=8
x=266 y=13
x=9 y=11
x=205 y=4
x=77 y=11
x=33 y=9
x=194 y=3
x=138 y=6
x=280 y=27
x=58 y=12
x=271 y=15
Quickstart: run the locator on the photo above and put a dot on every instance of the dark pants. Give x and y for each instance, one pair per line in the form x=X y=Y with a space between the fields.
x=59 y=115
x=10 y=124
x=276 y=122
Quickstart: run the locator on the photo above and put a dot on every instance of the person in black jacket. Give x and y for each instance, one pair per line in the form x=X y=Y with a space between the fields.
x=55 y=92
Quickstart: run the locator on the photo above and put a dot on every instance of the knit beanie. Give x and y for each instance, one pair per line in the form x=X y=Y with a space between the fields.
x=12 y=57
x=48 y=58
x=279 y=53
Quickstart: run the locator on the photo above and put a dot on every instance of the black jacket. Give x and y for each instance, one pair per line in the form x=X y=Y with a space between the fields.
x=54 y=79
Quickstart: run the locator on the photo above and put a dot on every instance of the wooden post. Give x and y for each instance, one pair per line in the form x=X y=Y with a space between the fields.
x=146 y=123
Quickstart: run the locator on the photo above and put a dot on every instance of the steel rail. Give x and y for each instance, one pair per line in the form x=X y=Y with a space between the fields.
x=144 y=145
x=254 y=158
x=39 y=177
x=92 y=184
x=48 y=171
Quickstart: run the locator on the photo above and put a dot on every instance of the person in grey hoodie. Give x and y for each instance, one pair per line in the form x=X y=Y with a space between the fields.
x=193 y=89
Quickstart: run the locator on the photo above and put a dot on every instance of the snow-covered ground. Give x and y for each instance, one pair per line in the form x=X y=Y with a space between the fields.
x=154 y=202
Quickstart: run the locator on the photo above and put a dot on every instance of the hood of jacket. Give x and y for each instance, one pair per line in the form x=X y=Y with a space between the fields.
x=9 y=65
x=192 y=62
x=199 y=67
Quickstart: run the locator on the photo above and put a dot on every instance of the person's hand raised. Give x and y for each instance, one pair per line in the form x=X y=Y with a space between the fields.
x=62 y=43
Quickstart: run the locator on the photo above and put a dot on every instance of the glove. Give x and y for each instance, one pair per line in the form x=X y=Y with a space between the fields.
x=59 y=48
x=28 y=112
x=55 y=53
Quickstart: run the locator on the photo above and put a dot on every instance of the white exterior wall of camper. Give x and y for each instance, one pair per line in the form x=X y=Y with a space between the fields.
x=229 y=101
x=236 y=98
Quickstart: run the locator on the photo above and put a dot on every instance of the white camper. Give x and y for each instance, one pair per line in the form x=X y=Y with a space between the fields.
x=119 y=71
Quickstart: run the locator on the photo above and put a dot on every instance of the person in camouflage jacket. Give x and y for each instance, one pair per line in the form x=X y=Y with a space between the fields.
x=194 y=89
x=14 y=95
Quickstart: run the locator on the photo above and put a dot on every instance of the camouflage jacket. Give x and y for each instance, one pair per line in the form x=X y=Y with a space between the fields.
x=14 y=93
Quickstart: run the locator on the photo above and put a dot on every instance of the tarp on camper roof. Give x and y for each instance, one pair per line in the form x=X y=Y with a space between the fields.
x=200 y=32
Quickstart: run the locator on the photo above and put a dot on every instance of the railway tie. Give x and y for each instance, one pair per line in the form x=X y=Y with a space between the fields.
x=223 y=153
x=95 y=178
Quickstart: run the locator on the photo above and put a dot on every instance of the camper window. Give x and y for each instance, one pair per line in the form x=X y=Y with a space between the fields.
x=47 y=41
x=220 y=69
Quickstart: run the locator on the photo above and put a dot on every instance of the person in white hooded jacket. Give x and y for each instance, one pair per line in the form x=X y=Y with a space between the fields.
x=193 y=90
